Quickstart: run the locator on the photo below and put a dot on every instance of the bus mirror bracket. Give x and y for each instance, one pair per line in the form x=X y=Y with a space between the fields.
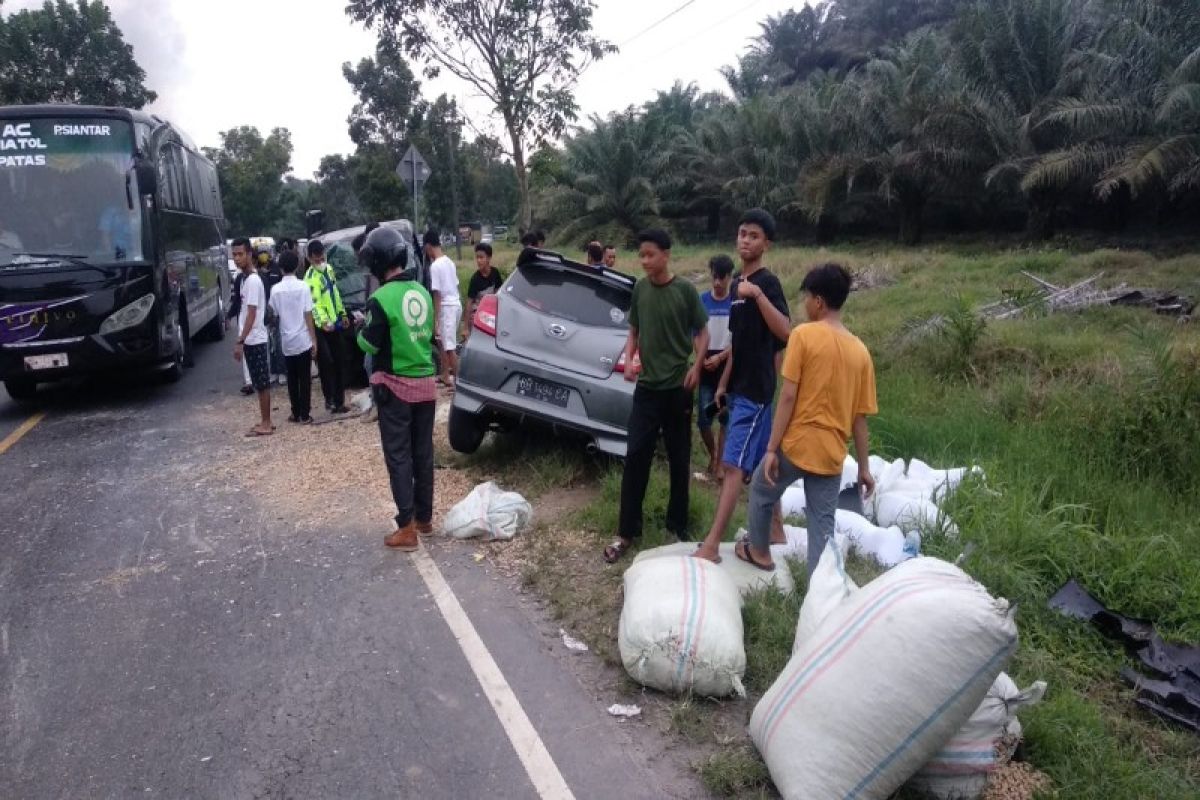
x=147 y=176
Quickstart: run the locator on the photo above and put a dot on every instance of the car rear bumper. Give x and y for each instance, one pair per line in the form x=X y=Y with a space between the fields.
x=486 y=387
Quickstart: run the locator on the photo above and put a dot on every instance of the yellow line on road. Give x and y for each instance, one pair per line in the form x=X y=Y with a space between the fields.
x=24 y=428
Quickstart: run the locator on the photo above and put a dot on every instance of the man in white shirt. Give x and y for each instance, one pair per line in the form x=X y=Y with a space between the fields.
x=291 y=300
x=443 y=278
x=253 y=343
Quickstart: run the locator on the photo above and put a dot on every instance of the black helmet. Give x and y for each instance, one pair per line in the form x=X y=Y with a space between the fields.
x=383 y=251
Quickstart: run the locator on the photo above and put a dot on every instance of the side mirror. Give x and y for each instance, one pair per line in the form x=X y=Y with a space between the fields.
x=147 y=177
x=314 y=222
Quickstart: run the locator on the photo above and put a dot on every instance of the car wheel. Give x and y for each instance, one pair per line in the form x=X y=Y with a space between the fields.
x=465 y=431
x=21 y=389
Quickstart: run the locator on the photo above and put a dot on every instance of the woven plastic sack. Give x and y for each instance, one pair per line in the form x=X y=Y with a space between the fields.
x=960 y=770
x=747 y=577
x=885 y=680
x=681 y=627
x=490 y=512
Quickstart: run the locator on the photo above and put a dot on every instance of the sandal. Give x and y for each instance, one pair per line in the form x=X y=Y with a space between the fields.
x=613 y=553
x=742 y=551
x=250 y=434
x=696 y=554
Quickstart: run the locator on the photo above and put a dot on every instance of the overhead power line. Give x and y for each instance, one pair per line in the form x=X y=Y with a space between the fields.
x=654 y=25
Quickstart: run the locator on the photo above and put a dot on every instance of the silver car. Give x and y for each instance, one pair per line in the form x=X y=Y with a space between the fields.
x=548 y=347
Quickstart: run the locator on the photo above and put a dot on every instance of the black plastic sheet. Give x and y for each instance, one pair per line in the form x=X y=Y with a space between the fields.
x=1173 y=690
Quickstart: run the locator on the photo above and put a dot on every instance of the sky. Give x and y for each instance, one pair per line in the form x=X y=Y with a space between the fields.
x=218 y=64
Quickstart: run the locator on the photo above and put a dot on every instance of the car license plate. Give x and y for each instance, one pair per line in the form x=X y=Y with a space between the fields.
x=543 y=391
x=48 y=361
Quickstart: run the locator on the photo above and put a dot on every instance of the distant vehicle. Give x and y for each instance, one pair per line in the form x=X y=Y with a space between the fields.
x=499 y=230
x=470 y=232
x=548 y=347
x=111 y=241
x=352 y=277
x=486 y=238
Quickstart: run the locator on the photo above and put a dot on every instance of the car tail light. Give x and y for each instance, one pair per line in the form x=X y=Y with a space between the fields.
x=485 y=314
x=637 y=363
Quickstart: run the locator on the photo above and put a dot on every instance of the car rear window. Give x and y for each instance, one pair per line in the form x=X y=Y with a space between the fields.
x=570 y=295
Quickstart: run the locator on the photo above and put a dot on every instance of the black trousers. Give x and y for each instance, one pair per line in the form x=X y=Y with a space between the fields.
x=669 y=412
x=406 y=432
x=299 y=378
x=330 y=357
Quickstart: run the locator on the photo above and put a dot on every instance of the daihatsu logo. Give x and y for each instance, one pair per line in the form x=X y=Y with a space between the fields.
x=558 y=331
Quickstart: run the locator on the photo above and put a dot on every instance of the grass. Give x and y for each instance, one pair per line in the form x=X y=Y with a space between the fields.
x=1088 y=428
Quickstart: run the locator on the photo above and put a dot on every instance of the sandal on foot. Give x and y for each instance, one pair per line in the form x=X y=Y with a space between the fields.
x=742 y=551
x=613 y=553
x=696 y=554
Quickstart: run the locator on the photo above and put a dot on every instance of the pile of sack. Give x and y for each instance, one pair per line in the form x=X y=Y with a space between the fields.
x=895 y=682
x=908 y=499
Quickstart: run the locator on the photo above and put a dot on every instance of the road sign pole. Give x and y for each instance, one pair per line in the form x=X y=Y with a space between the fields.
x=416 y=208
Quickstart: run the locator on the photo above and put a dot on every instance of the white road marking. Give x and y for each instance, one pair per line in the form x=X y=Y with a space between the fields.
x=540 y=767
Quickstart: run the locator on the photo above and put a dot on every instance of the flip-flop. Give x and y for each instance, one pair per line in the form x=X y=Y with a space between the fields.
x=716 y=560
x=742 y=551
x=250 y=434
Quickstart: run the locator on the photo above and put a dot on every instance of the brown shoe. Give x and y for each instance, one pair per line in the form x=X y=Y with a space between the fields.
x=425 y=528
x=404 y=539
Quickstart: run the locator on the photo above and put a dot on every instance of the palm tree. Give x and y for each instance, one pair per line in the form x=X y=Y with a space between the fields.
x=610 y=194
x=897 y=138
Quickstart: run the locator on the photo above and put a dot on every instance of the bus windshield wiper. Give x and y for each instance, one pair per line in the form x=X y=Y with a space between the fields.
x=50 y=258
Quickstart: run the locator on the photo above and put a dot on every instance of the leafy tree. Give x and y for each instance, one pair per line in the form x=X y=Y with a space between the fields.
x=336 y=194
x=251 y=171
x=610 y=194
x=389 y=103
x=68 y=52
x=522 y=55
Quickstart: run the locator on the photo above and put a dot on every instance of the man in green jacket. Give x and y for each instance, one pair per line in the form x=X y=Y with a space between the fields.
x=329 y=315
x=398 y=334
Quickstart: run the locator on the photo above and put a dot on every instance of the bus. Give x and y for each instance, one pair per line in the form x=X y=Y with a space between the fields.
x=112 y=245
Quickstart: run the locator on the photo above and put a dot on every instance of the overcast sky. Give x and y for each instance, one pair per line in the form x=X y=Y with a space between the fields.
x=217 y=64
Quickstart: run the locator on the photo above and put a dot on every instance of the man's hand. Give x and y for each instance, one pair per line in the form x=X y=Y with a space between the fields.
x=866 y=482
x=748 y=291
x=327 y=327
x=770 y=467
x=692 y=379
x=237 y=352
x=712 y=362
x=631 y=373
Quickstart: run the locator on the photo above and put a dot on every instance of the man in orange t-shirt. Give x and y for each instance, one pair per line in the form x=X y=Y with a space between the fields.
x=828 y=391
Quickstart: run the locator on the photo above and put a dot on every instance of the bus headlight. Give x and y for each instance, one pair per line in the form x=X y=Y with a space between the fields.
x=133 y=314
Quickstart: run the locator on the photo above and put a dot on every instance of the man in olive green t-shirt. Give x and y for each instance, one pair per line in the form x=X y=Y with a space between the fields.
x=667 y=326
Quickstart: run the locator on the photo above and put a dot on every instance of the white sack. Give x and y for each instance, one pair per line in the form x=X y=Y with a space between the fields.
x=490 y=512
x=959 y=771
x=829 y=588
x=746 y=577
x=681 y=627
x=887 y=546
x=793 y=501
x=908 y=511
x=885 y=680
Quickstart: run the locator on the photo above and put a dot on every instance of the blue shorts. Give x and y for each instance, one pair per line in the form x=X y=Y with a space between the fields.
x=747 y=435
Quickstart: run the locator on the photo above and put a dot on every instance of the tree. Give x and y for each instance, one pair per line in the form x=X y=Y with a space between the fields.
x=251 y=171
x=524 y=56
x=389 y=103
x=68 y=53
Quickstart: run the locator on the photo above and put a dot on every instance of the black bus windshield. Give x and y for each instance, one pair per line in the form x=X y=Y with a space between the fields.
x=67 y=186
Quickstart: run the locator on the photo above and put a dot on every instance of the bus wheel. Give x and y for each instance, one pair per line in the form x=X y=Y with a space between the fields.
x=185 y=338
x=21 y=389
x=215 y=331
x=174 y=371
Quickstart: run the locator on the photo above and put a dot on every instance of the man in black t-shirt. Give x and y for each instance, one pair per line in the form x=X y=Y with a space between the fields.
x=486 y=280
x=759 y=326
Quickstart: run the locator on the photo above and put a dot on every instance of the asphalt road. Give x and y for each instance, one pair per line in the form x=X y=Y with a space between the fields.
x=162 y=636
